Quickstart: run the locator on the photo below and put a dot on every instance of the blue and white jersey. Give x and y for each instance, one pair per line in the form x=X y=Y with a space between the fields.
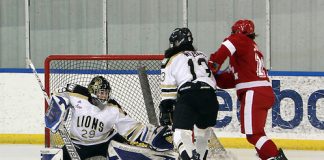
x=93 y=125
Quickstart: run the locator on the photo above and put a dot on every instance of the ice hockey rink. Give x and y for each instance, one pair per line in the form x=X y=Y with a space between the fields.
x=32 y=152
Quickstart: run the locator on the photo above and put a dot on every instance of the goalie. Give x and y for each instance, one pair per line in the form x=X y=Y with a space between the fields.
x=97 y=120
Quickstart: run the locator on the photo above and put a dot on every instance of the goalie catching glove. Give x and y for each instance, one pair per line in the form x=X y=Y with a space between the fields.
x=166 y=111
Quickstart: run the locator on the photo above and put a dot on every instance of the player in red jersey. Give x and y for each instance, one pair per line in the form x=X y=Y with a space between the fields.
x=247 y=74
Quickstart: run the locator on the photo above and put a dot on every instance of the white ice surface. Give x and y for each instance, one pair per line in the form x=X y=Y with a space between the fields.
x=32 y=152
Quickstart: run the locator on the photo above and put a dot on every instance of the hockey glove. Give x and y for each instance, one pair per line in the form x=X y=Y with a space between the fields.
x=214 y=67
x=55 y=115
x=166 y=112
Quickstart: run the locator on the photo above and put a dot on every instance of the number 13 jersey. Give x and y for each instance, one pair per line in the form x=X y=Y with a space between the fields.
x=185 y=66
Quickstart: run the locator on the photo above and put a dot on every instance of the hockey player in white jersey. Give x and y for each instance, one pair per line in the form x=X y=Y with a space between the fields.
x=188 y=95
x=97 y=119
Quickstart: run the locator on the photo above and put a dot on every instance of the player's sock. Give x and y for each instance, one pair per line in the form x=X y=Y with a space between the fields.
x=202 y=136
x=183 y=141
x=268 y=149
x=264 y=146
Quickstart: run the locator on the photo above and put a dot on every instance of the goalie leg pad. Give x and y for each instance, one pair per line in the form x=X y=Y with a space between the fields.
x=118 y=150
x=159 y=138
x=162 y=139
x=51 y=154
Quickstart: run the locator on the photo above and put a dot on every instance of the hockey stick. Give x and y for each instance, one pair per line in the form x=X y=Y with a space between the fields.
x=62 y=129
x=147 y=95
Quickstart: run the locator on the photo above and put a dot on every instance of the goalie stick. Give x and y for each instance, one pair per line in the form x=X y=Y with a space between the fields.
x=62 y=128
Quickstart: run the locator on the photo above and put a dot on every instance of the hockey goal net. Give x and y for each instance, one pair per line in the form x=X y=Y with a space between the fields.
x=135 y=84
x=134 y=80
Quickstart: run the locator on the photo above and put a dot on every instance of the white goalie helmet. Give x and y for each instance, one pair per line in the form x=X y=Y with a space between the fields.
x=100 y=87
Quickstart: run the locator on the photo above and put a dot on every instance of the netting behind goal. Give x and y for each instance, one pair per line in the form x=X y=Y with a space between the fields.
x=134 y=80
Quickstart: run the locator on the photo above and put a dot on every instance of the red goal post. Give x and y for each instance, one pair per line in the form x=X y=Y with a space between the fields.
x=134 y=80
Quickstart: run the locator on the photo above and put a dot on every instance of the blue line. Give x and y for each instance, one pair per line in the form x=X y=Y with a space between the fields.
x=19 y=70
x=153 y=72
x=77 y=71
x=295 y=73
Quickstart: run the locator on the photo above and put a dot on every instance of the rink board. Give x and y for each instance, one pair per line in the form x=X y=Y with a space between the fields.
x=297 y=116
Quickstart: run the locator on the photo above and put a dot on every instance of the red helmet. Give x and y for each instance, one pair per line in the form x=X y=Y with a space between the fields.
x=243 y=26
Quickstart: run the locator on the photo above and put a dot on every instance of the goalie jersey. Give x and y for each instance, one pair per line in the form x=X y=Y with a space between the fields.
x=95 y=123
x=92 y=125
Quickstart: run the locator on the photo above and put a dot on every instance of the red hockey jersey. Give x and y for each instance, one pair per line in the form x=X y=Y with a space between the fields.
x=246 y=66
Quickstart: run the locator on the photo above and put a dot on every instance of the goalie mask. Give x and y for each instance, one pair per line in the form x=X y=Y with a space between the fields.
x=100 y=87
